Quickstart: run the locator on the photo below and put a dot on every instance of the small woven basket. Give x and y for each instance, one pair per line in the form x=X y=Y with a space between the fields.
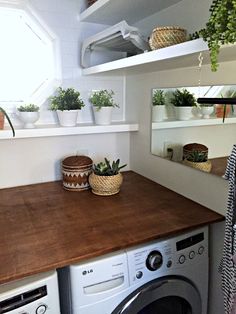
x=167 y=36
x=203 y=166
x=90 y=2
x=2 y=118
x=105 y=185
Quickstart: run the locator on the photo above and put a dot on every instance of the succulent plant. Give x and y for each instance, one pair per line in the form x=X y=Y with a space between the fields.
x=107 y=169
x=28 y=108
x=67 y=99
x=183 y=98
x=197 y=156
x=158 y=98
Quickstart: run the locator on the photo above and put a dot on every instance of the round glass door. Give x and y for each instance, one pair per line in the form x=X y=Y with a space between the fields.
x=167 y=305
x=166 y=295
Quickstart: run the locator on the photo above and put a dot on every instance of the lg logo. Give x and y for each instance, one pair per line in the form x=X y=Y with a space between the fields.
x=85 y=272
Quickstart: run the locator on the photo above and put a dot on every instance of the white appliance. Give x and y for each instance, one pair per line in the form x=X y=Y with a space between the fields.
x=165 y=277
x=32 y=295
x=119 y=37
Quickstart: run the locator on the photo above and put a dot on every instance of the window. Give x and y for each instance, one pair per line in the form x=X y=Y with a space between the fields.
x=26 y=56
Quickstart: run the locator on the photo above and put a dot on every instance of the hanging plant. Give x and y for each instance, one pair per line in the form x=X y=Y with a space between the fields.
x=220 y=29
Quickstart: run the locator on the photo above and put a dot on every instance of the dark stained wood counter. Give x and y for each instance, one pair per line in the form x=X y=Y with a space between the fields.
x=219 y=165
x=43 y=227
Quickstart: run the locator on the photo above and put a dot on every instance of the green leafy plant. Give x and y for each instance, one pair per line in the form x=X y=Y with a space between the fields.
x=107 y=169
x=28 y=108
x=158 y=98
x=220 y=28
x=183 y=98
x=66 y=99
x=197 y=156
x=102 y=98
x=8 y=119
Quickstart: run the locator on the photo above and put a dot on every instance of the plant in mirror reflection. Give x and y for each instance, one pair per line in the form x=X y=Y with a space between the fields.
x=158 y=98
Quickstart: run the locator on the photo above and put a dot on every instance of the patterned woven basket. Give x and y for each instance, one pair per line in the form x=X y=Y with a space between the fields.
x=90 y=2
x=203 y=166
x=167 y=36
x=105 y=185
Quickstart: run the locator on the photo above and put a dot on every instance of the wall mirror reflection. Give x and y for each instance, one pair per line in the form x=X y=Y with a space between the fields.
x=199 y=136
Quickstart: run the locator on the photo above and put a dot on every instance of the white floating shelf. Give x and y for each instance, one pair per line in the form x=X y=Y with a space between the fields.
x=193 y=122
x=56 y=130
x=176 y=56
x=110 y=12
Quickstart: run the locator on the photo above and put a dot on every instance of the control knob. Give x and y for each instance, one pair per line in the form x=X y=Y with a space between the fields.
x=41 y=309
x=154 y=260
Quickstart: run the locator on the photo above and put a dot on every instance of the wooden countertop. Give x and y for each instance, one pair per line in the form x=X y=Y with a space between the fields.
x=219 y=165
x=43 y=227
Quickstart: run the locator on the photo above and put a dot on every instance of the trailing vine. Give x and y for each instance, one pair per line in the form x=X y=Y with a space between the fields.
x=220 y=28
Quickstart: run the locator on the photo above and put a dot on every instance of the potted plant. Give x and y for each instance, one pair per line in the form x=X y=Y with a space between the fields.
x=106 y=178
x=220 y=28
x=206 y=110
x=67 y=104
x=103 y=103
x=232 y=94
x=158 y=105
x=3 y=114
x=198 y=160
x=28 y=114
x=183 y=102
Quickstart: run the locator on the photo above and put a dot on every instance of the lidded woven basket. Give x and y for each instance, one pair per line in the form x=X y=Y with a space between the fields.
x=105 y=185
x=167 y=36
x=188 y=149
x=75 y=172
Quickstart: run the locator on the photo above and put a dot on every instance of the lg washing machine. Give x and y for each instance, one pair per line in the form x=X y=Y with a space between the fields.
x=169 y=276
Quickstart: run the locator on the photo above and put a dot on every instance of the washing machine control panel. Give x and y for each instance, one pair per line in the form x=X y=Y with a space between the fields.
x=162 y=258
x=36 y=294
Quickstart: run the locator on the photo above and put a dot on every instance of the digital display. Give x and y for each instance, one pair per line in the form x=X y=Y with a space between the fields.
x=185 y=243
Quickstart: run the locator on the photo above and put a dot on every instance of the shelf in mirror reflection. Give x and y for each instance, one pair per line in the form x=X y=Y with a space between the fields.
x=168 y=124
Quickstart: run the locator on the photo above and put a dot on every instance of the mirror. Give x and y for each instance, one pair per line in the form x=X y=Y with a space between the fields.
x=203 y=136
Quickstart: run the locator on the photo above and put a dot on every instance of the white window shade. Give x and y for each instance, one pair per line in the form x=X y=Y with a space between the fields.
x=26 y=56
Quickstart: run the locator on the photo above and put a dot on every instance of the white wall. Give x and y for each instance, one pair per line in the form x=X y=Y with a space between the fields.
x=206 y=189
x=191 y=15
x=27 y=161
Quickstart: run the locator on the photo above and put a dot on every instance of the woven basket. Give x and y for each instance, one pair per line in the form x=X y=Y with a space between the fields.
x=203 y=166
x=188 y=149
x=2 y=118
x=75 y=173
x=90 y=2
x=105 y=185
x=167 y=36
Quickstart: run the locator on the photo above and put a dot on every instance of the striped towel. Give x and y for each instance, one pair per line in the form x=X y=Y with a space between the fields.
x=227 y=266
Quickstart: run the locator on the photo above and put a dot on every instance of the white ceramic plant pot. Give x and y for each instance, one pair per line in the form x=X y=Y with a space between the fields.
x=67 y=117
x=158 y=113
x=29 y=118
x=183 y=113
x=206 y=112
x=103 y=115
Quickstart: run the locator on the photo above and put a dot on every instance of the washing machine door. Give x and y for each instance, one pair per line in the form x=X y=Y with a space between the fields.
x=166 y=295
